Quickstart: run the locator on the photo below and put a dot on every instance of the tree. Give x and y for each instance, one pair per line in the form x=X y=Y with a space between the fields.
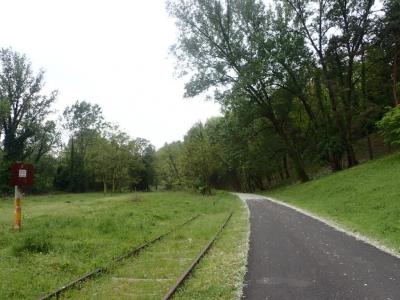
x=390 y=40
x=142 y=166
x=99 y=153
x=168 y=168
x=46 y=138
x=389 y=126
x=45 y=173
x=99 y=161
x=84 y=121
x=248 y=152
x=232 y=46
x=120 y=158
x=198 y=160
x=23 y=113
x=337 y=32
x=23 y=109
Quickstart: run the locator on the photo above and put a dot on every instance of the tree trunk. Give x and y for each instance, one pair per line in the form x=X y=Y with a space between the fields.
x=113 y=184
x=259 y=183
x=285 y=166
x=269 y=180
x=72 y=167
x=301 y=173
x=292 y=150
x=394 y=77
x=335 y=162
x=104 y=187
x=348 y=137
x=281 y=174
x=293 y=154
x=370 y=149
x=298 y=165
x=351 y=156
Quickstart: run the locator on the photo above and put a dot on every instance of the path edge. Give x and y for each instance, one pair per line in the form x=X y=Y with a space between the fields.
x=244 y=251
x=334 y=225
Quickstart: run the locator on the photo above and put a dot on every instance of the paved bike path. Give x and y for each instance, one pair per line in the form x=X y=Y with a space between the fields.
x=293 y=256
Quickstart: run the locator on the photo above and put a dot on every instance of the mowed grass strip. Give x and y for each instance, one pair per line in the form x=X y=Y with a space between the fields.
x=219 y=275
x=65 y=236
x=364 y=199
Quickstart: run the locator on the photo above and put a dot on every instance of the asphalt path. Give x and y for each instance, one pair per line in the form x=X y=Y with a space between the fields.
x=293 y=256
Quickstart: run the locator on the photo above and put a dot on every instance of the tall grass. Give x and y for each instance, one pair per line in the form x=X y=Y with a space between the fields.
x=65 y=236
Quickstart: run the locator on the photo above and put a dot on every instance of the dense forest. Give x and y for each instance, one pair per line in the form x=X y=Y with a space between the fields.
x=302 y=85
x=305 y=87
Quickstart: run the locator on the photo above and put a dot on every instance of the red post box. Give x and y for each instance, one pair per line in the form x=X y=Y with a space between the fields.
x=21 y=174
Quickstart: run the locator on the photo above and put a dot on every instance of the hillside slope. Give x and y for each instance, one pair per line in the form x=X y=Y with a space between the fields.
x=365 y=199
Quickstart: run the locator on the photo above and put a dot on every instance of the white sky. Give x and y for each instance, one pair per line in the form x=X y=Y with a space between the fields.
x=113 y=53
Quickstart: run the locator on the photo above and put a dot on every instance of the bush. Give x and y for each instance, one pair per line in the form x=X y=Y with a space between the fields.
x=389 y=126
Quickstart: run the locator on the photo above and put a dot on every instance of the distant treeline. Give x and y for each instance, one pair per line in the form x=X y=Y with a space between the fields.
x=96 y=156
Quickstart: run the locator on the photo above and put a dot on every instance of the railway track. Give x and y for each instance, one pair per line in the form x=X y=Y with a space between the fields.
x=185 y=275
x=135 y=251
x=138 y=250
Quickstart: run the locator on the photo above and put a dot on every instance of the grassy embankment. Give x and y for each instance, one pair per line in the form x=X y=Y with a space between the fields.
x=364 y=199
x=65 y=236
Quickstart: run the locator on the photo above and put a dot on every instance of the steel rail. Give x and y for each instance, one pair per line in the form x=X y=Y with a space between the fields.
x=103 y=269
x=186 y=274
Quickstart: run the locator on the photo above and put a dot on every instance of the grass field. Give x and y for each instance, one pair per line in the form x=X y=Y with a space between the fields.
x=65 y=236
x=365 y=199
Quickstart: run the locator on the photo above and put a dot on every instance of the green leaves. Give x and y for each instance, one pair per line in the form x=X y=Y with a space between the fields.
x=389 y=126
x=23 y=108
x=83 y=116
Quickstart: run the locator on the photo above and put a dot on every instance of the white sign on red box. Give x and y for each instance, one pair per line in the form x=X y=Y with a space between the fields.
x=22 y=173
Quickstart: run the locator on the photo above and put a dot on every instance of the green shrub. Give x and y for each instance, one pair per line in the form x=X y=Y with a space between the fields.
x=389 y=126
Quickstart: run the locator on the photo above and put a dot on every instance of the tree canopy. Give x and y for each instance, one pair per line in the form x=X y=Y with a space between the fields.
x=304 y=87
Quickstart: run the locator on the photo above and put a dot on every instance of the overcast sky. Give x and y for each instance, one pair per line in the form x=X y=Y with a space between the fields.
x=113 y=53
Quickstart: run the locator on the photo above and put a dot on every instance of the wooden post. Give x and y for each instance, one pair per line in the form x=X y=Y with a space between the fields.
x=18 y=216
